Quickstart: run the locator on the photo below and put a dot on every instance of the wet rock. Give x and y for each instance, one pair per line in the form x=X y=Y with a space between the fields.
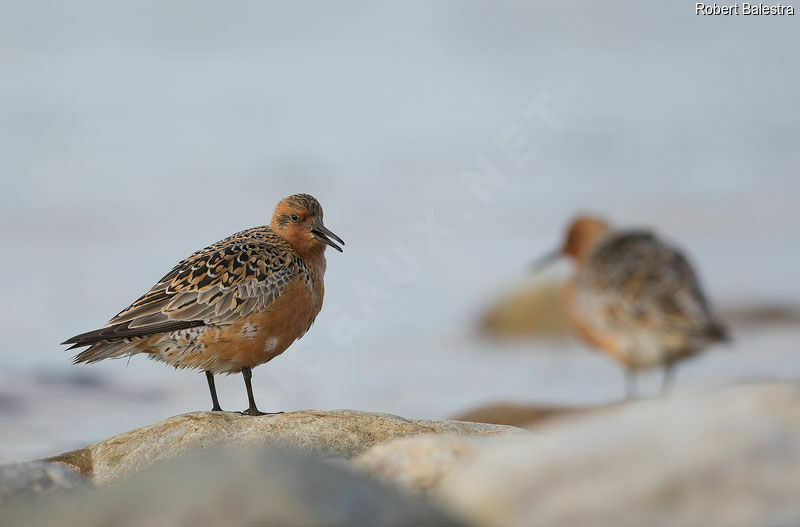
x=730 y=456
x=22 y=480
x=236 y=488
x=756 y=316
x=340 y=433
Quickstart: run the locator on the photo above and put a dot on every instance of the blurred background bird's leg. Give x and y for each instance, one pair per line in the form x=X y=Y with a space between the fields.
x=630 y=383
x=668 y=379
x=213 y=389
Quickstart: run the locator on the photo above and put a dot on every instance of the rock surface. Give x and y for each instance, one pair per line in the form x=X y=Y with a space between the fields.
x=730 y=457
x=339 y=433
x=22 y=480
x=237 y=489
x=417 y=463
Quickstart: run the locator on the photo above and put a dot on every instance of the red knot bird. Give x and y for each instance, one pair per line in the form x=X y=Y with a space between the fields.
x=231 y=306
x=635 y=298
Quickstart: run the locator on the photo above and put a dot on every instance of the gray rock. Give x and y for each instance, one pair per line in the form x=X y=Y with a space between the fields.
x=339 y=433
x=236 y=488
x=21 y=480
x=729 y=457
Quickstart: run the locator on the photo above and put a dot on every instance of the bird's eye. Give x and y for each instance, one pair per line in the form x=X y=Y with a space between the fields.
x=294 y=217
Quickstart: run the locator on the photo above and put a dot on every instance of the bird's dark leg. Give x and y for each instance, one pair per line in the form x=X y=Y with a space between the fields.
x=248 y=375
x=668 y=379
x=630 y=384
x=213 y=389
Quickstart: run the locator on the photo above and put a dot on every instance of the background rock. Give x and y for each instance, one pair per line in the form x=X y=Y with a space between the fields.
x=340 y=433
x=726 y=457
x=520 y=415
x=21 y=480
x=531 y=309
x=236 y=488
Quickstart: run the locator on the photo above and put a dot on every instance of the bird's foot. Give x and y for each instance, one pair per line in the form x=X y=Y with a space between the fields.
x=256 y=411
x=217 y=409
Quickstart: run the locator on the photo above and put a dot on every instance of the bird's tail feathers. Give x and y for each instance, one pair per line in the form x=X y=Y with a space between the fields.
x=718 y=332
x=105 y=350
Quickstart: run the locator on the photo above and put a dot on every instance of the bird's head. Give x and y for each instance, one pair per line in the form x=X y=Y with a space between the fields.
x=583 y=233
x=298 y=220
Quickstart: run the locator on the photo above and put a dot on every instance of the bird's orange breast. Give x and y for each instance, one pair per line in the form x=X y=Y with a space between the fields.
x=262 y=336
x=603 y=341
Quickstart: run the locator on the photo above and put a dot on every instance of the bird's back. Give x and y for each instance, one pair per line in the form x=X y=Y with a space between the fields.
x=641 y=300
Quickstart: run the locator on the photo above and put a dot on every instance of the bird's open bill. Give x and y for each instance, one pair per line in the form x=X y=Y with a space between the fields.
x=545 y=261
x=324 y=234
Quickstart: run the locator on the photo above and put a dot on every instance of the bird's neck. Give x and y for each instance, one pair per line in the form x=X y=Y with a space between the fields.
x=315 y=259
x=306 y=246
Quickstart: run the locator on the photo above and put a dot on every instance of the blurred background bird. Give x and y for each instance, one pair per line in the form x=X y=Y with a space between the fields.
x=231 y=306
x=635 y=298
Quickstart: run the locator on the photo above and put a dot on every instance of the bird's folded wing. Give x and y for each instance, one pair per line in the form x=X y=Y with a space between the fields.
x=638 y=283
x=216 y=285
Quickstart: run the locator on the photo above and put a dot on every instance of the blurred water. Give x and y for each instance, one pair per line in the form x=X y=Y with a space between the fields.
x=136 y=132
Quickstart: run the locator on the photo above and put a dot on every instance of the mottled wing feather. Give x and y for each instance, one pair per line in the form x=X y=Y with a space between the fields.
x=646 y=294
x=239 y=275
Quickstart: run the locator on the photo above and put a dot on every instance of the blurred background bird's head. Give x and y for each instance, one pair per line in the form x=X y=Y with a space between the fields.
x=582 y=235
